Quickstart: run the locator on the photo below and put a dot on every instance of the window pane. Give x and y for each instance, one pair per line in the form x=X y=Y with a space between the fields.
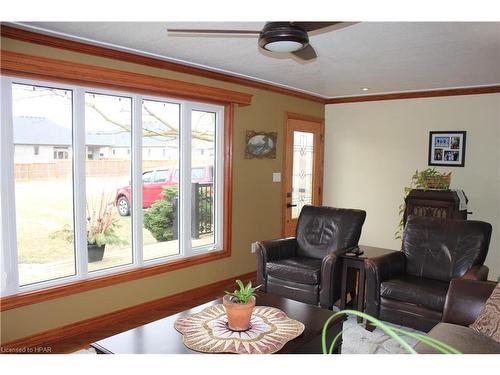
x=108 y=137
x=161 y=175
x=160 y=163
x=43 y=182
x=202 y=178
x=302 y=177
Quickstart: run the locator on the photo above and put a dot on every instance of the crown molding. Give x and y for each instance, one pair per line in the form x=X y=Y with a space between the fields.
x=91 y=49
x=416 y=94
x=23 y=65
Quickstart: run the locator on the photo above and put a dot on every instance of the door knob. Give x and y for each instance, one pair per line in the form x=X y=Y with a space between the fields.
x=291 y=205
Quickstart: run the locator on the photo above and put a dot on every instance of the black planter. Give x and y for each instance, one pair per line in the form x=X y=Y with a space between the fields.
x=95 y=252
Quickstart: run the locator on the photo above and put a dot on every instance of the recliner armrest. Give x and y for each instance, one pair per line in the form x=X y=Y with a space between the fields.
x=277 y=249
x=378 y=270
x=268 y=251
x=387 y=266
x=477 y=273
x=465 y=300
x=330 y=285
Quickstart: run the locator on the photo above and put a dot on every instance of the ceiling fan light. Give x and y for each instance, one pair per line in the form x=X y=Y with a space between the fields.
x=282 y=37
x=284 y=46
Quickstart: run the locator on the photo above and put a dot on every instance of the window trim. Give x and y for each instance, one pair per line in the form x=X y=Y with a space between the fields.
x=101 y=278
x=36 y=296
x=8 y=238
x=55 y=70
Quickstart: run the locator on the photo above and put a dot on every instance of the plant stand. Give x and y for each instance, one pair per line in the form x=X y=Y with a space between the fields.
x=442 y=204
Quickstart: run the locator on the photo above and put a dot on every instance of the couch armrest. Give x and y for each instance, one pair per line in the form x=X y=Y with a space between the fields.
x=477 y=273
x=378 y=270
x=465 y=300
x=268 y=251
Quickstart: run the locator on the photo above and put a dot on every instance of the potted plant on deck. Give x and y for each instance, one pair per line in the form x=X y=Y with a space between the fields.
x=239 y=306
x=102 y=223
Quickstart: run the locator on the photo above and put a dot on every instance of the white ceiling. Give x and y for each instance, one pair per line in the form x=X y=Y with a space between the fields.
x=384 y=56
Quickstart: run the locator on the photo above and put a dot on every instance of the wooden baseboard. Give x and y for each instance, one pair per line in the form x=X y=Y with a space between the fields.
x=44 y=339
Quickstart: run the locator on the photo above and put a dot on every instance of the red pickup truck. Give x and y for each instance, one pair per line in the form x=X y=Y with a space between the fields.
x=153 y=182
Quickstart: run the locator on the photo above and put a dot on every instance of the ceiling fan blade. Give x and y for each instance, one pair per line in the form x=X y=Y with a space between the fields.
x=207 y=31
x=306 y=53
x=311 y=26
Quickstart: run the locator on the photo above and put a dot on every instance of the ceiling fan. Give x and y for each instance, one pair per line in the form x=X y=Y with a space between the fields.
x=289 y=37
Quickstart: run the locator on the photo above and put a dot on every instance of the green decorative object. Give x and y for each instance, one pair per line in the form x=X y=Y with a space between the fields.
x=244 y=293
x=393 y=332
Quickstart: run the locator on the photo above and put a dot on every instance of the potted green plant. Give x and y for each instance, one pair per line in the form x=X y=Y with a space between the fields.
x=430 y=178
x=427 y=179
x=239 y=306
x=102 y=223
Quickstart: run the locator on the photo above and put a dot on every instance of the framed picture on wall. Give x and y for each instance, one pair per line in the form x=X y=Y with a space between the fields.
x=447 y=148
x=260 y=145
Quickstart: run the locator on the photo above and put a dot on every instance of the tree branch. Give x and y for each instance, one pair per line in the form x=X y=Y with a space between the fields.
x=172 y=132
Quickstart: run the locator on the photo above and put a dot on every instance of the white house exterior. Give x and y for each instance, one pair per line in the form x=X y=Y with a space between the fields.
x=40 y=140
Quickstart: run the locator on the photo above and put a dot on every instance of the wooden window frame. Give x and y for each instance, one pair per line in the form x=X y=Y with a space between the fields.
x=33 y=67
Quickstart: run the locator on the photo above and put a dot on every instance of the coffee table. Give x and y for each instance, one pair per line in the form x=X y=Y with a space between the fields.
x=160 y=337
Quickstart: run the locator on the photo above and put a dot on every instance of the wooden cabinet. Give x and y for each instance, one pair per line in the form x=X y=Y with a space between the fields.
x=443 y=204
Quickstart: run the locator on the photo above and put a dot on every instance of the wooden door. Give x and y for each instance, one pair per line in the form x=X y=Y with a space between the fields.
x=302 y=167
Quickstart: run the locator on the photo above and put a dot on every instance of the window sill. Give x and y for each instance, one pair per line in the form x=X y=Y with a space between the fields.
x=28 y=298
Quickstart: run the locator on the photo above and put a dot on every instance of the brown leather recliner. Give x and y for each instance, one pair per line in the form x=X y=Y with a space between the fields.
x=305 y=268
x=409 y=287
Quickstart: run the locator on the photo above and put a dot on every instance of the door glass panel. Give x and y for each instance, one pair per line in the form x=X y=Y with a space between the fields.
x=202 y=178
x=43 y=182
x=108 y=137
x=302 y=171
x=160 y=191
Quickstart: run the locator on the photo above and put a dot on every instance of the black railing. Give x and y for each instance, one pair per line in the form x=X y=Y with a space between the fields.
x=202 y=212
x=202 y=209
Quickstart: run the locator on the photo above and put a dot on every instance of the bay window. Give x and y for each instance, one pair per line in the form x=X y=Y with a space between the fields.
x=120 y=181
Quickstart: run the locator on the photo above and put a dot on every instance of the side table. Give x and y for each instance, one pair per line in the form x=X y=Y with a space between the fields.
x=356 y=263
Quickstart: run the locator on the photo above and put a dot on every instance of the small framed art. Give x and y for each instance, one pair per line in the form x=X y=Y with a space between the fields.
x=447 y=148
x=260 y=145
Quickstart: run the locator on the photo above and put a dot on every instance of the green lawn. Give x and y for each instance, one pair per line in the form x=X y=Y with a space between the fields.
x=44 y=207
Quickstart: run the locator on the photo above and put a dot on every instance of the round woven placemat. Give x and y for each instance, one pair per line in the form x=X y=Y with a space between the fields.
x=207 y=331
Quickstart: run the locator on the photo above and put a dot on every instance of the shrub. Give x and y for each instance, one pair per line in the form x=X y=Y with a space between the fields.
x=159 y=218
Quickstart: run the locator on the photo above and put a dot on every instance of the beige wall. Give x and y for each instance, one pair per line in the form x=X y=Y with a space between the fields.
x=256 y=209
x=373 y=148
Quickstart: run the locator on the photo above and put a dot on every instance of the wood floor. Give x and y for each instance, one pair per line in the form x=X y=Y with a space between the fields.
x=83 y=340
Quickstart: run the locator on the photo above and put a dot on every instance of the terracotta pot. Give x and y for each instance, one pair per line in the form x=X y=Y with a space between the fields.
x=238 y=314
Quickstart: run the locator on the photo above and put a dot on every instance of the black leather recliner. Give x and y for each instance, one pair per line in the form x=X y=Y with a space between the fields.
x=409 y=287
x=305 y=268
